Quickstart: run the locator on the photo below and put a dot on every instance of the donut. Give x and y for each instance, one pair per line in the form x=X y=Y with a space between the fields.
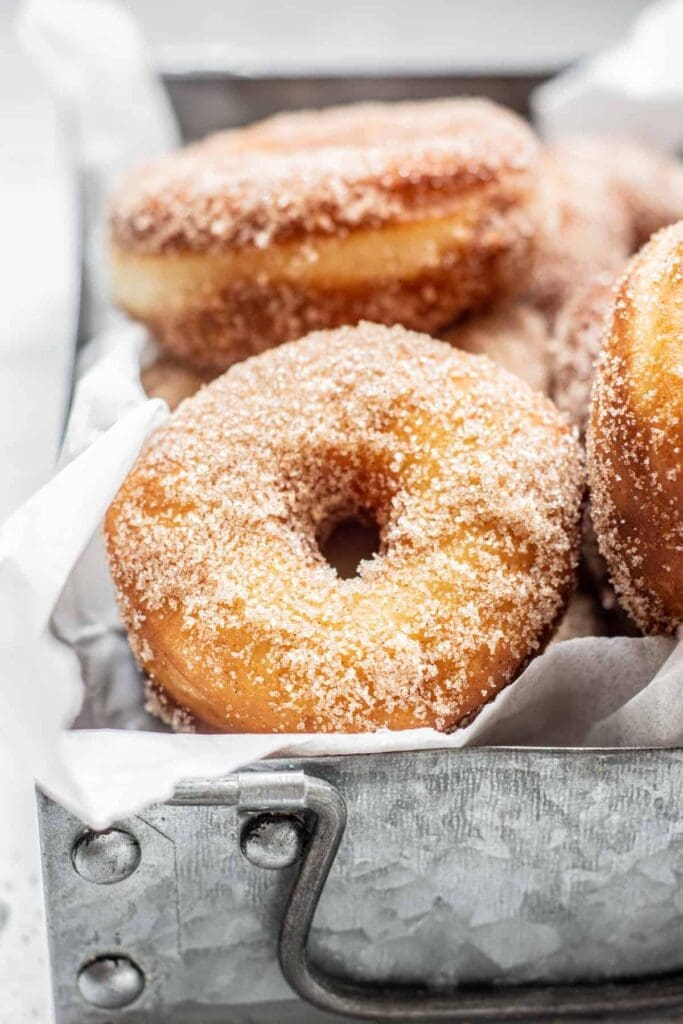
x=594 y=578
x=166 y=378
x=635 y=440
x=474 y=481
x=583 y=229
x=648 y=183
x=405 y=213
x=649 y=187
x=573 y=351
x=575 y=345
x=514 y=334
x=600 y=199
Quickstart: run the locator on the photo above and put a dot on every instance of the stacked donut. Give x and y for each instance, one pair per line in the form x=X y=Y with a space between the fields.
x=373 y=226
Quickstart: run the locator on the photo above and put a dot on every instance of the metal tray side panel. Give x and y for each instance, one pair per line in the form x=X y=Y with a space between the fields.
x=206 y=102
x=466 y=866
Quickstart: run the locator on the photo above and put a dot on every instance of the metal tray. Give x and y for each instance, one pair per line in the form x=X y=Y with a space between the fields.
x=490 y=884
x=546 y=884
x=207 y=100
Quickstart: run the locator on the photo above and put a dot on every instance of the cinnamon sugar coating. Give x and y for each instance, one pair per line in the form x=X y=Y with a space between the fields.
x=575 y=345
x=583 y=226
x=475 y=482
x=514 y=334
x=635 y=441
x=249 y=317
x=600 y=199
x=323 y=172
x=647 y=183
x=407 y=213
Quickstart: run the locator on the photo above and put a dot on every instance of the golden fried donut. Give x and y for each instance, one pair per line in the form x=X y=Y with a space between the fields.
x=166 y=378
x=594 y=578
x=648 y=186
x=575 y=346
x=600 y=198
x=513 y=334
x=406 y=213
x=583 y=227
x=474 y=480
x=635 y=441
x=648 y=183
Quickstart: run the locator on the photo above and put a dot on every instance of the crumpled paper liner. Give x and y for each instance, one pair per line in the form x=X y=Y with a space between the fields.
x=65 y=658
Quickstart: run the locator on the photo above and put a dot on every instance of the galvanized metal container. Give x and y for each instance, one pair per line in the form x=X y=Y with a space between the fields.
x=516 y=884
x=490 y=884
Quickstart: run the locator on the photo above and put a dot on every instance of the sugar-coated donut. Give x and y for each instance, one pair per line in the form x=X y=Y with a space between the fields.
x=583 y=227
x=166 y=378
x=514 y=334
x=474 y=480
x=600 y=198
x=635 y=440
x=575 y=345
x=405 y=213
x=647 y=183
x=610 y=187
x=594 y=578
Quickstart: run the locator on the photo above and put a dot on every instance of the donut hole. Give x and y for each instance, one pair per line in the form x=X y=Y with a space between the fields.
x=348 y=541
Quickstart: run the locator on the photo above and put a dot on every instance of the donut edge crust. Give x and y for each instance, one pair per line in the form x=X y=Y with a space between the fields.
x=635 y=439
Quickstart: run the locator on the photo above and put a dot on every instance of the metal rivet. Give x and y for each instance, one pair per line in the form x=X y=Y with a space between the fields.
x=106 y=857
x=272 y=841
x=110 y=982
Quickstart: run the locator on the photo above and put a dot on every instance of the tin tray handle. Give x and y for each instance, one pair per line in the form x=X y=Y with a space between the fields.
x=511 y=1003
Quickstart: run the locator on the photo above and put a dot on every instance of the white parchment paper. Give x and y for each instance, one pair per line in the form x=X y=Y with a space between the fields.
x=64 y=656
